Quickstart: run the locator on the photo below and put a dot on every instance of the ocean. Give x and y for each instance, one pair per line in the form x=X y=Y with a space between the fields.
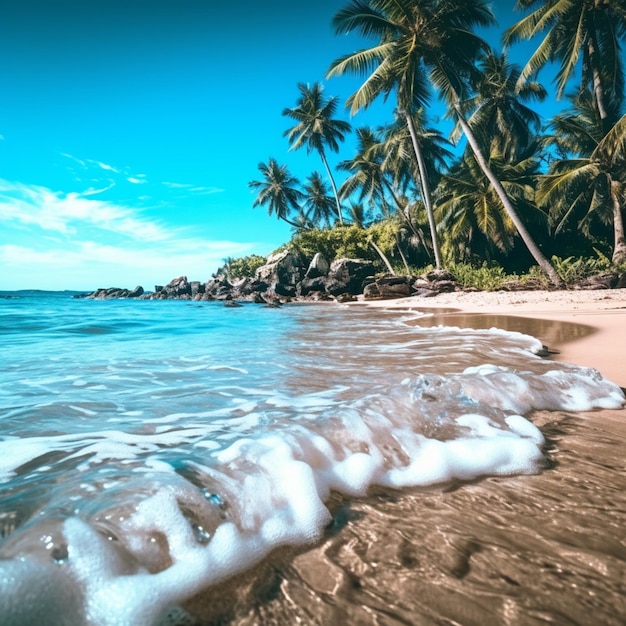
x=153 y=453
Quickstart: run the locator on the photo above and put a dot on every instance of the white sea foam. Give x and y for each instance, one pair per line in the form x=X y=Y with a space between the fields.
x=274 y=488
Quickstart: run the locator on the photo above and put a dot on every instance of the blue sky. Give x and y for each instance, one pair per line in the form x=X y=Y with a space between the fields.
x=129 y=130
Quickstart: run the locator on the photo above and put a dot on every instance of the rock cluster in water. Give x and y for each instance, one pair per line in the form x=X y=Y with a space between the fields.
x=285 y=277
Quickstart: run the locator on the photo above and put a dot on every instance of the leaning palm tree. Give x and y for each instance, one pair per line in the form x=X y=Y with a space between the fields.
x=278 y=191
x=473 y=220
x=420 y=41
x=316 y=128
x=589 y=182
x=581 y=33
x=318 y=204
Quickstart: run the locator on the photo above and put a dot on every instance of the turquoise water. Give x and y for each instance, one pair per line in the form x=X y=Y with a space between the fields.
x=151 y=449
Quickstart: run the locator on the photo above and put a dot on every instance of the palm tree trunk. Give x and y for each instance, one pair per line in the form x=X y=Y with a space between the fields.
x=598 y=91
x=405 y=215
x=406 y=265
x=425 y=188
x=619 y=248
x=382 y=255
x=542 y=261
x=332 y=184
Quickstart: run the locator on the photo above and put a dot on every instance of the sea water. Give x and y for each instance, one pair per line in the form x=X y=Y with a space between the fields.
x=150 y=450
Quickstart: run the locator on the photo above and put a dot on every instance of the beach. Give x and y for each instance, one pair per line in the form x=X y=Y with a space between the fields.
x=524 y=550
x=374 y=463
x=518 y=550
x=602 y=312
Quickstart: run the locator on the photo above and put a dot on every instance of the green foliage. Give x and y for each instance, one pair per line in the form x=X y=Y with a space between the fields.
x=484 y=278
x=351 y=242
x=243 y=267
x=491 y=277
x=573 y=269
x=334 y=243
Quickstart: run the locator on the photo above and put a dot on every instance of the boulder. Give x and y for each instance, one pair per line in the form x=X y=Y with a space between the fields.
x=318 y=267
x=394 y=287
x=136 y=292
x=177 y=287
x=284 y=268
x=349 y=276
x=309 y=286
x=218 y=288
x=371 y=292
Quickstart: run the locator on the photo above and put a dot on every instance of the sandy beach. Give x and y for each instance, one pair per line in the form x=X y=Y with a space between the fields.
x=589 y=326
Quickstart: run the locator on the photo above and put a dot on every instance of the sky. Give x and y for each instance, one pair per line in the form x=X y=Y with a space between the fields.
x=130 y=129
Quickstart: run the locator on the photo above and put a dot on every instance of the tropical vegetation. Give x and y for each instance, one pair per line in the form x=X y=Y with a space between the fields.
x=503 y=190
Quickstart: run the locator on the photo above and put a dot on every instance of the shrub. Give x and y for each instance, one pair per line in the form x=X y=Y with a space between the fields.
x=573 y=269
x=484 y=278
x=243 y=267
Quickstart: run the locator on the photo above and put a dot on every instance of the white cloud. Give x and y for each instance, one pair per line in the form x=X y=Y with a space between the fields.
x=195 y=189
x=49 y=210
x=105 y=166
x=55 y=240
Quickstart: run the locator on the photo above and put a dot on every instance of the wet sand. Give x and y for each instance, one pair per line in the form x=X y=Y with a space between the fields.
x=521 y=550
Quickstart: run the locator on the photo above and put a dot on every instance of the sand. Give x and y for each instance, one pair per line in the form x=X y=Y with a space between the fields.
x=599 y=342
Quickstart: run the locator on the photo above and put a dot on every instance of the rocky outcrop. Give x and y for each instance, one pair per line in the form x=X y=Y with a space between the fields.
x=112 y=293
x=286 y=276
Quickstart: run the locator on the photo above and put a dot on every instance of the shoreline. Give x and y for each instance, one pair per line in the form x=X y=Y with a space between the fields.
x=586 y=327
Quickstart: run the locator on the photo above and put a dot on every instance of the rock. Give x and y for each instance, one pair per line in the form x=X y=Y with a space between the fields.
x=371 y=292
x=318 y=267
x=434 y=282
x=110 y=293
x=607 y=280
x=196 y=288
x=345 y=297
x=136 y=292
x=312 y=285
x=439 y=275
x=349 y=276
x=178 y=287
x=282 y=268
x=394 y=286
x=218 y=288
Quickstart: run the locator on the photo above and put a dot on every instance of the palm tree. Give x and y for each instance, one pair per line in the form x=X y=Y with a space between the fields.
x=316 y=128
x=416 y=37
x=399 y=158
x=403 y=30
x=318 y=204
x=473 y=219
x=367 y=179
x=278 y=191
x=591 y=183
x=585 y=32
x=498 y=116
